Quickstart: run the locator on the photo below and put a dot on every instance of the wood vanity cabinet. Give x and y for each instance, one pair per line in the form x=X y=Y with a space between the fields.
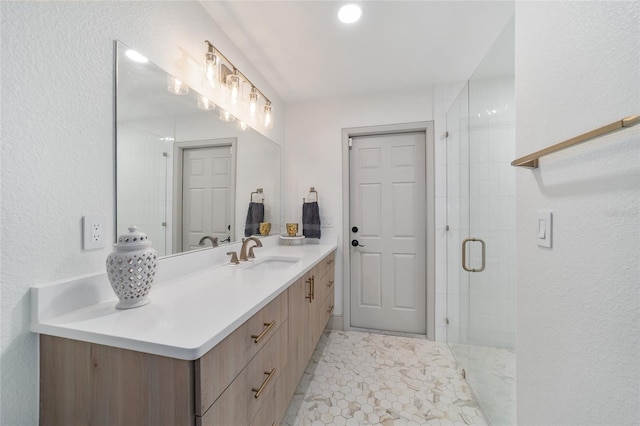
x=310 y=306
x=247 y=379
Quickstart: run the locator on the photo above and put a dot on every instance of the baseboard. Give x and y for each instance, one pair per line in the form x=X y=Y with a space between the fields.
x=335 y=323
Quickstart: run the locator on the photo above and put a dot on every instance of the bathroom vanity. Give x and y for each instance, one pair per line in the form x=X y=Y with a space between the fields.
x=224 y=345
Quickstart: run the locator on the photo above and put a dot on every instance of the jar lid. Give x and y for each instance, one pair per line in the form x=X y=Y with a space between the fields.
x=134 y=239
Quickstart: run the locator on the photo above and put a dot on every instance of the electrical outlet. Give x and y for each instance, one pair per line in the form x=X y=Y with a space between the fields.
x=94 y=232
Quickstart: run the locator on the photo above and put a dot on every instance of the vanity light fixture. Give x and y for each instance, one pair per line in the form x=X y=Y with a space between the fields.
x=267 y=120
x=176 y=86
x=205 y=104
x=234 y=84
x=220 y=71
x=211 y=66
x=253 y=103
x=349 y=13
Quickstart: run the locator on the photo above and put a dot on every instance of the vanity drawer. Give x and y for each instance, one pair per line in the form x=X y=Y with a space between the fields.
x=328 y=263
x=218 y=367
x=327 y=309
x=325 y=285
x=240 y=402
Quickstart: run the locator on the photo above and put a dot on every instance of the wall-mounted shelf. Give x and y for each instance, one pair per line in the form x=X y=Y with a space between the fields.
x=531 y=161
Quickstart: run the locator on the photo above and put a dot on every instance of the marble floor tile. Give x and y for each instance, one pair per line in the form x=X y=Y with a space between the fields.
x=357 y=378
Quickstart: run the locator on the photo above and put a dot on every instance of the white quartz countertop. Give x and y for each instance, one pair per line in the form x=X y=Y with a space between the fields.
x=187 y=315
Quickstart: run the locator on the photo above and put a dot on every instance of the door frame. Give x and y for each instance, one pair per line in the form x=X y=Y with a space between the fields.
x=425 y=127
x=178 y=157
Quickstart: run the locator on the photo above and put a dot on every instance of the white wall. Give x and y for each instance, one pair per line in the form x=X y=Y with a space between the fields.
x=578 y=335
x=57 y=145
x=314 y=151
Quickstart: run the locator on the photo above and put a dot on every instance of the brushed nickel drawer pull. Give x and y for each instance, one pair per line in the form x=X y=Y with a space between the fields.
x=331 y=309
x=330 y=283
x=259 y=337
x=264 y=384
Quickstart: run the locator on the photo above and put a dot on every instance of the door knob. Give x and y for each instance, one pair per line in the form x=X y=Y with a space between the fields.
x=354 y=229
x=355 y=243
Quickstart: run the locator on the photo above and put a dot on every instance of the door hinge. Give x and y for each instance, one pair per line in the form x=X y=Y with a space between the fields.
x=464 y=374
x=164 y=223
x=446 y=134
x=446 y=228
x=164 y=154
x=350 y=143
x=446 y=320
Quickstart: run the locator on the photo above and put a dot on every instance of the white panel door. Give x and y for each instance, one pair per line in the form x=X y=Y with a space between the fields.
x=388 y=209
x=206 y=187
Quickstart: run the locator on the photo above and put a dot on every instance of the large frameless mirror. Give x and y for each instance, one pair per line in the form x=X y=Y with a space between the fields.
x=183 y=173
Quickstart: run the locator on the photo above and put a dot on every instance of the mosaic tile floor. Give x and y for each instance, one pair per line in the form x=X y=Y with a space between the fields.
x=357 y=378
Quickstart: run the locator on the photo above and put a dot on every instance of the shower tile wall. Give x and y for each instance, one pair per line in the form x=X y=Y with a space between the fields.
x=443 y=97
x=492 y=197
x=142 y=185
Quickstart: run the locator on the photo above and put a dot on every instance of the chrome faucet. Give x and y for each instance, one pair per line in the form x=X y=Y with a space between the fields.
x=245 y=243
x=214 y=240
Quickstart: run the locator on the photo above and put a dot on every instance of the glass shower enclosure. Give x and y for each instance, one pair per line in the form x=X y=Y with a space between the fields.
x=481 y=237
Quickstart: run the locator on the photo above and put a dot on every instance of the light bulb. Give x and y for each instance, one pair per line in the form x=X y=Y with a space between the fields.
x=253 y=103
x=205 y=104
x=225 y=116
x=349 y=13
x=243 y=126
x=267 y=119
x=176 y=86
x=211 y=66
x=233 y=83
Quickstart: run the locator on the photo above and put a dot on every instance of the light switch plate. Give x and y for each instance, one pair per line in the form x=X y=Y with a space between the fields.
x=545 y=228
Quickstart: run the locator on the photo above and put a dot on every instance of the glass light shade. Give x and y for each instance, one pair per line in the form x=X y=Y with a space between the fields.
x=226 y=116
x=211 y=72
x=267 y=117
x=176 y=86
x=235 y=88
x=253 y=103
x=205 y=104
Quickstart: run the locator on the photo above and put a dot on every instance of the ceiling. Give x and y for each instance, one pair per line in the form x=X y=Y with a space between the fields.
x=302 y=49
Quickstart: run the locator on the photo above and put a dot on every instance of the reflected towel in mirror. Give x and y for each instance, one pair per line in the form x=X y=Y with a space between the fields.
x=255 y=215
x=311 y=220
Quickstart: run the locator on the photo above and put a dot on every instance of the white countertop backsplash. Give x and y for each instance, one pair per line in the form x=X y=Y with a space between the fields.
x=195 y=301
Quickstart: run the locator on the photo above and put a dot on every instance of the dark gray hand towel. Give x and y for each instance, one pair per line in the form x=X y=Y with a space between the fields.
x=311 y=220
x=255 y=215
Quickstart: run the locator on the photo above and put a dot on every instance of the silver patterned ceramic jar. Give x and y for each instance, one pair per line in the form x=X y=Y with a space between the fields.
x=131 y=268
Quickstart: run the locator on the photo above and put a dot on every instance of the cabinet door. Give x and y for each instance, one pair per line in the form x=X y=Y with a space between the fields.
x=299 y=340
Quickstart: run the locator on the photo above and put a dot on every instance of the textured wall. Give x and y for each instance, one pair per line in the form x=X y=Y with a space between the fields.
x=578 y=337
x=57 y=146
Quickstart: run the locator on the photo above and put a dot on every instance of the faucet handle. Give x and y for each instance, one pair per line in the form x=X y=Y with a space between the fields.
x=251 y=253
x=234 y=257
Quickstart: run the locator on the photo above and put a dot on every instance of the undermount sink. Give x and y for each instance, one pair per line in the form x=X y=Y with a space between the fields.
x=272 y=263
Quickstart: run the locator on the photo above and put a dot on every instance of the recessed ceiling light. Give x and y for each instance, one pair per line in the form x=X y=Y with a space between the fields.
x=135 y=56
x=349 y=13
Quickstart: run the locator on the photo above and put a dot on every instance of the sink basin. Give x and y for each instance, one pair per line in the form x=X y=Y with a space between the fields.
x=272 y=263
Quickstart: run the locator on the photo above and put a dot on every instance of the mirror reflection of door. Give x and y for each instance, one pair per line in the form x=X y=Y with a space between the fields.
x=207 y=189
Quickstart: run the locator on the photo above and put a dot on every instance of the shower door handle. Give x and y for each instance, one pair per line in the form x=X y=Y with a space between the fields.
x=464 y=254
